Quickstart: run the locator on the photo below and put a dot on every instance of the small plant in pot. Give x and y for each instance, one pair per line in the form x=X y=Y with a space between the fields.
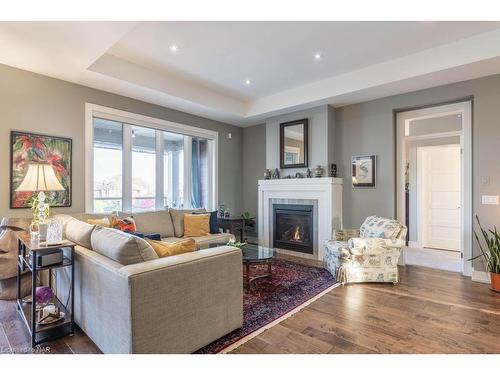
x=490 y=253
x=249 y=220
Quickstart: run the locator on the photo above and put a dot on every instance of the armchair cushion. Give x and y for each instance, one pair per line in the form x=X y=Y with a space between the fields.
x=375 y=226
x=373 y=245
x=345 y=234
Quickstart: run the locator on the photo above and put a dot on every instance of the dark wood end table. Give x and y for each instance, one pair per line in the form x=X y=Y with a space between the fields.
x=27 y=263
x=235 y=225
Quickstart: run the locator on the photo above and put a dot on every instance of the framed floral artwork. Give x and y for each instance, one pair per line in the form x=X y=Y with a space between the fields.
x=363 y=171
x=27 y=148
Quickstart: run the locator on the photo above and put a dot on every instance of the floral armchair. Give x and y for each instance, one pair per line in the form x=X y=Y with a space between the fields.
x=369 y=254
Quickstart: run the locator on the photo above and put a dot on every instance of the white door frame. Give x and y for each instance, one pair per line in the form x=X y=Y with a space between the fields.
x=402 y=135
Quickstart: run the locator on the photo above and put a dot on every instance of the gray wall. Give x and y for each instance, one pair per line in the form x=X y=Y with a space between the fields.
x=320 y=120
x=368 y=128
x=436 y=125
x=36 y=103
x=254 y=164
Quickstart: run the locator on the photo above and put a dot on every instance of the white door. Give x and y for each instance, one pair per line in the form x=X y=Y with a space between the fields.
x=440 y=187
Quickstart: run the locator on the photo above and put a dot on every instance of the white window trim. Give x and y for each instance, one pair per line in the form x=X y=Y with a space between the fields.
x=95 y=110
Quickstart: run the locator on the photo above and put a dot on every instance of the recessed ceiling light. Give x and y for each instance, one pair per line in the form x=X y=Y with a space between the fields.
x=174 y=48
x=317 y=56
x=247 y=82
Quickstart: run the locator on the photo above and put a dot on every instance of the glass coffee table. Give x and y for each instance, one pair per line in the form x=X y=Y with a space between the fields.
x=255 y=254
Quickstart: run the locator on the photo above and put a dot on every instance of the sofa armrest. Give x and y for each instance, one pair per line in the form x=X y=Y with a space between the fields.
x=375 y=245
x=184 y=302
x=345 y=234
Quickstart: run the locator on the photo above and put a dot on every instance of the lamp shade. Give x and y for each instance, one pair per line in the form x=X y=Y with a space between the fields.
x=40 y=177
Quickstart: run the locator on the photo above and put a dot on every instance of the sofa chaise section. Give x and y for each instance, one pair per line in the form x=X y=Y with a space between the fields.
x=176 y=304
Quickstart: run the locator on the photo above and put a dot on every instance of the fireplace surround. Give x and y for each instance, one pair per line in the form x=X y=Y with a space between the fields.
x=293 y=227
x=324 y=194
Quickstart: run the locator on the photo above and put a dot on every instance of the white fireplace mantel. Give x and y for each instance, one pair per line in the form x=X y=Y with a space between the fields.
x=325 y=191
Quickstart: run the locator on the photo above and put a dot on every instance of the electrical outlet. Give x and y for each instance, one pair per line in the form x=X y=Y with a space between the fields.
x=485 y=180
x=489 y=199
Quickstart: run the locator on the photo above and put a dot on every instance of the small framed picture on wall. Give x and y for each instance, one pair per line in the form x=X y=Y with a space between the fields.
x=364 y=171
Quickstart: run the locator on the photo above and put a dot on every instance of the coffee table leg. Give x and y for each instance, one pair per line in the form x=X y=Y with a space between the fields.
x=247 y=276
x=269 y=269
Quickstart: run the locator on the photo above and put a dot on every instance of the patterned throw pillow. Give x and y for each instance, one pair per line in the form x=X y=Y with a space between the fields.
x=126 y=224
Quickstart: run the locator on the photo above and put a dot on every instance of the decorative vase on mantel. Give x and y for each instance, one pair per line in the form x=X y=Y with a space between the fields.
x=318 y=171
x=267 y=174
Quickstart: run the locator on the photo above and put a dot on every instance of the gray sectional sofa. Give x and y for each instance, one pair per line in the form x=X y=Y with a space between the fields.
x=127 y=300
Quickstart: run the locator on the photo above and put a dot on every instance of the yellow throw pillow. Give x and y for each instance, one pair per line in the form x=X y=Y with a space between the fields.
x=196 y=225
x=165 y=249
x=104 y=222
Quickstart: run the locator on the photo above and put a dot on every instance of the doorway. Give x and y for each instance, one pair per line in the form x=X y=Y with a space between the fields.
x=435 y=185
x=438 y=196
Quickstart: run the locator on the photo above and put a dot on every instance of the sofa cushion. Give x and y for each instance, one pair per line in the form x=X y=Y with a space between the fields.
x=79 y=232
x=154 y=222
x=203 y=242
x=85 y=216
x=166 y=249
x=104 y=222
x=76 y=230
x=196 y=225
x=122 y=247
x=178 y=220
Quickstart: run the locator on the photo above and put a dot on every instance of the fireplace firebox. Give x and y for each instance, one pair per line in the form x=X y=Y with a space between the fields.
x=293 y=227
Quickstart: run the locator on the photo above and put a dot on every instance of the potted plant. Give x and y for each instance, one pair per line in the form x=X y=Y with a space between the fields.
x=491 y=254
x=249 y=220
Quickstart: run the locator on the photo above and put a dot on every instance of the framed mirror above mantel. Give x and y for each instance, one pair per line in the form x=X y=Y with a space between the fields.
x=294 y=144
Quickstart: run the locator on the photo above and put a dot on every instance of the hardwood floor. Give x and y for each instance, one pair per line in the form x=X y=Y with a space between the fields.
x=14 y=337
x=430 y=311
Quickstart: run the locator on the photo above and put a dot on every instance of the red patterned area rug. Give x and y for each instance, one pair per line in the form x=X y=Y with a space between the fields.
x=291 y=288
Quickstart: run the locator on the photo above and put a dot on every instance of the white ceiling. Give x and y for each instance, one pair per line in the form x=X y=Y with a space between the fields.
x=206 y=76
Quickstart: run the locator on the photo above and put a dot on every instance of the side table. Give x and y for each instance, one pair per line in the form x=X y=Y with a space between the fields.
x=235 y=225
x=27 y=263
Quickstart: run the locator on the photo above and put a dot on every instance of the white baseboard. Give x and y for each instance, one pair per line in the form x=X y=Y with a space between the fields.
x=480 y=276
x=413 y=244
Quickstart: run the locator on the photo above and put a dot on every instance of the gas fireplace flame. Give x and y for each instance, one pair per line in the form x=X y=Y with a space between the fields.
x=296 y=235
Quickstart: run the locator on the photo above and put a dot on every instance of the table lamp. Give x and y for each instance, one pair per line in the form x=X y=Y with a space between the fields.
x=40 y=177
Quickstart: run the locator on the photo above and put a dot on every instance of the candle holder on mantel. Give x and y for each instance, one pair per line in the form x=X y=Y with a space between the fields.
x=318 y=171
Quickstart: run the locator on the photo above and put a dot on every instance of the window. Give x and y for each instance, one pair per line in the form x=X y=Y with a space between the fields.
x=108 y=148
x=143 y=169
x=136 y=163
x=173 y=169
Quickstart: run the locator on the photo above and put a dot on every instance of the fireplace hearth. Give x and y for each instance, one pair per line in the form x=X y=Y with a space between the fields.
x=293 y=227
